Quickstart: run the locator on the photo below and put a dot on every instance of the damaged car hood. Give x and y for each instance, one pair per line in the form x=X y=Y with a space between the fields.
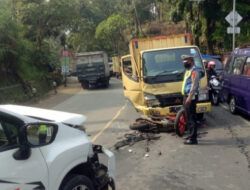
x=45 y=114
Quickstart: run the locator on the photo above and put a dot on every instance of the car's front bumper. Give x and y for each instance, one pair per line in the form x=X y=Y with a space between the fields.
x=104 y=176
x=172 y=110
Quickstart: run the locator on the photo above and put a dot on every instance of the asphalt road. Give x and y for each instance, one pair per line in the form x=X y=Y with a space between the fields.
x=221 y=160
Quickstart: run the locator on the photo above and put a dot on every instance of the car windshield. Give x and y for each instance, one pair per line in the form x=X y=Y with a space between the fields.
x=168 y=62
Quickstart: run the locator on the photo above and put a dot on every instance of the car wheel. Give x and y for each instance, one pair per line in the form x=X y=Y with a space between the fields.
x=77 y=182
x=232 y=105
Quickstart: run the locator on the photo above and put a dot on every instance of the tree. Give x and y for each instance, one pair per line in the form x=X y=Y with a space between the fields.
x=110 y=31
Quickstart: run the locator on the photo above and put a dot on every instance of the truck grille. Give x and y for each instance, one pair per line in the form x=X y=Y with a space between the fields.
x=170 y=99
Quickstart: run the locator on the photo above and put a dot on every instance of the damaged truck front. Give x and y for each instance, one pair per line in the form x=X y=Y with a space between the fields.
x=153 y=73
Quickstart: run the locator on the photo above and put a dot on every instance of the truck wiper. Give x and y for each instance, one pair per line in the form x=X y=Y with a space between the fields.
x=169 y=72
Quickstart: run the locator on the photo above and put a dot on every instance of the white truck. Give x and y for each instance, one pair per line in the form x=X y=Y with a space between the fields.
x=44 y=149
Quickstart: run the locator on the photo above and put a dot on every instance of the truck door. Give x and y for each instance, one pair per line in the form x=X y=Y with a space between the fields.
x=131 y=81
x=15 y=174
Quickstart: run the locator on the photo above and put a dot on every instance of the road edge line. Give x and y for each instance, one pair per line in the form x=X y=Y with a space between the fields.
x=108 y=124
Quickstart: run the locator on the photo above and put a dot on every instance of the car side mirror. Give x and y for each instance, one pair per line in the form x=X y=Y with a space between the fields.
x=34 y=135
x=24 y=152
x=40 y=134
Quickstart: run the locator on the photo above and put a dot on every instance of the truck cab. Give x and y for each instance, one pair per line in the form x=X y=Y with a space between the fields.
x=153 y=73
x=45 y=149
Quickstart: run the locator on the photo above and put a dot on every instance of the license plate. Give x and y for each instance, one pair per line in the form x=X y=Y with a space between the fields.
x=174 y=109
x=202 y=109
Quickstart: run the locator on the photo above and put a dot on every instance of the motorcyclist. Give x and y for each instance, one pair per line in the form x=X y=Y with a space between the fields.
x=211 y=69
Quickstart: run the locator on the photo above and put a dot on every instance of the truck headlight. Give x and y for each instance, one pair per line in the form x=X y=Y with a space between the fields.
x=203 y=94
x=151 y=100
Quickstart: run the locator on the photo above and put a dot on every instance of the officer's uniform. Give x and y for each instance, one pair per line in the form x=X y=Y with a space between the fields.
x=190 y=89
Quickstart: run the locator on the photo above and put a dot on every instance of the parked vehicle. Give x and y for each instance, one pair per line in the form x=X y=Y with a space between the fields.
x=116 y=66
x=92 y=69
x=236 y=85
x=153 y=73
x=214 y=90
x=45 y=149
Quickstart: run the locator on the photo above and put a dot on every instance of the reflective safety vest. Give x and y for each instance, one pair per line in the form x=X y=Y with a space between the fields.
x=42 y=129
x=187 y=82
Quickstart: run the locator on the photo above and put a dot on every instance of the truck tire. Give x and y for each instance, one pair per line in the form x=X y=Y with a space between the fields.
x=74 y=182
x=106 y=84
x=85 y=84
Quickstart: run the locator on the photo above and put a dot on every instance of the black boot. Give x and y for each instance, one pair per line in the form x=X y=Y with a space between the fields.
x=191 y=141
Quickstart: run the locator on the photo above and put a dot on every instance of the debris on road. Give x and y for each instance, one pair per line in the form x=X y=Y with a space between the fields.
x=131 y=138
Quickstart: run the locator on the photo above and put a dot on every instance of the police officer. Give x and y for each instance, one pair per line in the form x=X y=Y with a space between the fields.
x=190 y=90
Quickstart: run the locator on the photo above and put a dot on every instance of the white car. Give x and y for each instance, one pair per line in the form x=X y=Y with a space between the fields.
x=44 y=149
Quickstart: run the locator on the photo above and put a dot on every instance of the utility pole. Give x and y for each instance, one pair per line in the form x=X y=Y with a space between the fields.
x=234 y=2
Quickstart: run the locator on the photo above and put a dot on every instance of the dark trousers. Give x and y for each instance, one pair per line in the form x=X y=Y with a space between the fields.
x=191 y=117
x=42 y=138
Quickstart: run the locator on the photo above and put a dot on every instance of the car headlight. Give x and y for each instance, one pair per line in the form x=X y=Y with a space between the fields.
x=151 y=100
x=203 y=94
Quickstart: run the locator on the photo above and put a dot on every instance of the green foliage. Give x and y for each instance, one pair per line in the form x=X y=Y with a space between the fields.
x=110 y=31
x=31 y=30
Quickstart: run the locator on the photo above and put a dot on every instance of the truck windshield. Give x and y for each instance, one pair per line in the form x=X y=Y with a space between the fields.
x=168 y=62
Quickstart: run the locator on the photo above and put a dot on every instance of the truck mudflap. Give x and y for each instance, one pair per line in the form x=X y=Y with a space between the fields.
x=104 y=176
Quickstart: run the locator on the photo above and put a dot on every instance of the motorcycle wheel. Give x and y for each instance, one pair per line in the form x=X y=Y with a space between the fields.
x=180 y=123
x=215 y=99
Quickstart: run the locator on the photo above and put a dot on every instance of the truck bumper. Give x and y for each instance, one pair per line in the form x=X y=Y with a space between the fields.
x=172 y=110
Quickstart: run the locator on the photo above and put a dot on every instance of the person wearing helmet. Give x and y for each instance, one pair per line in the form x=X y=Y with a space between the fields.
x=211 y=69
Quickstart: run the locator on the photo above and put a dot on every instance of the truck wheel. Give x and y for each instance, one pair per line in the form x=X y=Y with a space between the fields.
x=180 y=123
x=85 y=85
x=77 y=182
x=106 y=84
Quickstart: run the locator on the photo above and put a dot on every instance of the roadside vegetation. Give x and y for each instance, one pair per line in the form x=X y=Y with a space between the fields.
x=32 y=32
